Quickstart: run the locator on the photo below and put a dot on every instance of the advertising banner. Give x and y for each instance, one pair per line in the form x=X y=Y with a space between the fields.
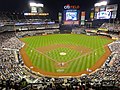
x=83 y=18
x=60 y=17
x=91 y=15
x=112 y=7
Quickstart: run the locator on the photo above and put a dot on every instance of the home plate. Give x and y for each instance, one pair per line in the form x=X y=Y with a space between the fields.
x=60 y=70
x=62 y=53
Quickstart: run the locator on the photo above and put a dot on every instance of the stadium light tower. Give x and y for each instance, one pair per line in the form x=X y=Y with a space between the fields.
x=33 y=4
x=36 y=7
x=103 y=3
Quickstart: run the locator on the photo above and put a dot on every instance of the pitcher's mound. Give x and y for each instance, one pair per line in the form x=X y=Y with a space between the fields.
x=61 y=64
x=62 y=53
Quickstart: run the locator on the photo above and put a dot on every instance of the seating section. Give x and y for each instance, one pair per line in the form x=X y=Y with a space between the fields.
x=36 y=32
x=14 y=74
x=9 y=40
x=111 y=27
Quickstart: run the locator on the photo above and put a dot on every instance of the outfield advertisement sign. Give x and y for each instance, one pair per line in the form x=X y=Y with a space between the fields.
x=102 y=29
x=71 y=22
x=83 y=18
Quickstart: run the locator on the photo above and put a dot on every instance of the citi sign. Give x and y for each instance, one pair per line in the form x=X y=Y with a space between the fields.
x=68 y=6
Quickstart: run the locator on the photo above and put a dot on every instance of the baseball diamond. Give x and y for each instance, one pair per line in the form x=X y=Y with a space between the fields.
x=65 y=54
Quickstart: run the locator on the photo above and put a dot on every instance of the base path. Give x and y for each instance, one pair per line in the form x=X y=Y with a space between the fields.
x=80 y=49
x=29 y=64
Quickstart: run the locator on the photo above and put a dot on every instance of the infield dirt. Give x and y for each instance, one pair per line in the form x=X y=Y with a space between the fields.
x=97 y=65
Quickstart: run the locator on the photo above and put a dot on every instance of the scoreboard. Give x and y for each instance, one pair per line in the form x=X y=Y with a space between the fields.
x=71 y=17
x=106 y=12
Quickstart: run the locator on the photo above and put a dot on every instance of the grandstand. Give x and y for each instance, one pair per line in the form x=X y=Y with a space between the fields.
x=15 y=75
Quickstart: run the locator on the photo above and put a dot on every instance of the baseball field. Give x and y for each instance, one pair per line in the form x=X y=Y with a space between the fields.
x=64 y=54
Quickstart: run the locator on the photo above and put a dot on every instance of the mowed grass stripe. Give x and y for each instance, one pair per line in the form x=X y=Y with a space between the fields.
x=77 y=66
x=88 y=62
x=92 y=42
x=83 y=63
x=79 y=63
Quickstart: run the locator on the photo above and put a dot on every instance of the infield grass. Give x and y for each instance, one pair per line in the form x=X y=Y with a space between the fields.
x=76 y=61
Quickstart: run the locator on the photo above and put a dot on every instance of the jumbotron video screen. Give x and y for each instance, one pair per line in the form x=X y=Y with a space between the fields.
x=104 y=15
x=70 y=15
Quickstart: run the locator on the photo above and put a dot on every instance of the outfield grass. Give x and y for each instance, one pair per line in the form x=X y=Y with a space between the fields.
x=80 y=61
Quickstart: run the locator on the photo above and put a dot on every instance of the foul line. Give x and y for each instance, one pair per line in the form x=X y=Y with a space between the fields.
x=84 y=54
x=43 y=54
x=69 y=60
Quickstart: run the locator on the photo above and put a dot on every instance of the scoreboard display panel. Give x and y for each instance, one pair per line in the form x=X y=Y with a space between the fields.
x=104 y=15
x=71 y=16
x=106 y=12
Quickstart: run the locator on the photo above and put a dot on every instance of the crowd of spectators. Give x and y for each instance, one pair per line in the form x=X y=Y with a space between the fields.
x=111 y=26
x=9 y=40
x=14 y=74
x=12 y=24
x=8 y=66
x=36 y=32
x=110 y=71
x=104 y=25
x=115 y=47
x=78 y=30
x=33 y=26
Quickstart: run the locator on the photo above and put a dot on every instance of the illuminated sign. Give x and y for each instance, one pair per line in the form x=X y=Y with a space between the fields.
x=106 y=12
x=91 y=15
x=71 y=22
x=102 y=29
x=103 y=15
x=60 y=17
x=33 y=14
x=112 y=7
x=83 y=18
x=68 y=6
x=102 y=8
x=71 y=15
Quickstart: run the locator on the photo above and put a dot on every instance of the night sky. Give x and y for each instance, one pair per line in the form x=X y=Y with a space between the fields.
x=52 y=6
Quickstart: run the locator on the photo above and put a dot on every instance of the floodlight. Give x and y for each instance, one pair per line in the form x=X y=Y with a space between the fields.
x=103 y=3
x=97 y=4
x=39 y=5
x=32 y=4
